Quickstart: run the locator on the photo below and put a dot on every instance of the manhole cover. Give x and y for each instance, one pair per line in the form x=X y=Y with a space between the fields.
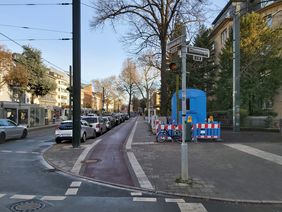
x=91 y=161
x=28 y=206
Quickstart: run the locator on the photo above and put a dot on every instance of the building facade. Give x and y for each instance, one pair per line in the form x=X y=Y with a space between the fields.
x=222 y=26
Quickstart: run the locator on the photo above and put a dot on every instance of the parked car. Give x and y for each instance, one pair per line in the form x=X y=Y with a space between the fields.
x=64 y=131
x=97 y=123
x=108 y=122
x=9 y=129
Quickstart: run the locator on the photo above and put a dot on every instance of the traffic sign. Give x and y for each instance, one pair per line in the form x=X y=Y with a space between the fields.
x=174 y=43
x=197 y=51
x=197 y=58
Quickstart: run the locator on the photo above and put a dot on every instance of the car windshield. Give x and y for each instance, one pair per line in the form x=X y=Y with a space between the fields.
x=90 y=119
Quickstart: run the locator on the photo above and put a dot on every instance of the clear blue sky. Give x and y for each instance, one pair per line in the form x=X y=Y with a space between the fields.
x=102 y=54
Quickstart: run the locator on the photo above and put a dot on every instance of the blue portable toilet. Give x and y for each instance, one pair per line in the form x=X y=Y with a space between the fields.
x=195 y=104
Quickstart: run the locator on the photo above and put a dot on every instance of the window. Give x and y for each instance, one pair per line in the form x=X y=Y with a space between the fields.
x=223 y=36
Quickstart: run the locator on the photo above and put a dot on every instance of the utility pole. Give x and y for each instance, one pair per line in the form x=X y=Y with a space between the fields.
x=70 y=94
x=236 y=67
x=184 y=145
x=76 y=58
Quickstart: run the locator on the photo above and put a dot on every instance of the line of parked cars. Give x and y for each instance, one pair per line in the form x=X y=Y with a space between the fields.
x=92 y=125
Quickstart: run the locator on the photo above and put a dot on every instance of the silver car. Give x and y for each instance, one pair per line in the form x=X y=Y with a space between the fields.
x=9 y=129
x=97 y=123
x=64 y=131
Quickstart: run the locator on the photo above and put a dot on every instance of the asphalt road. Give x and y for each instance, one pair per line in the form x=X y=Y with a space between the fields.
x=23 y=176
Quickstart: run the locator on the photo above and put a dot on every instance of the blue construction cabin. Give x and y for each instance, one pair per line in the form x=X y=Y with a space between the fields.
x=195 y=104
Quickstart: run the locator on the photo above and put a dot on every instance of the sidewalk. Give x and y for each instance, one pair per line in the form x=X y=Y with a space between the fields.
x=215 y=169
x=219 y=170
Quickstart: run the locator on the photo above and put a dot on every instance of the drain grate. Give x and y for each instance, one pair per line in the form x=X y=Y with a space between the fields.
x=28 y=206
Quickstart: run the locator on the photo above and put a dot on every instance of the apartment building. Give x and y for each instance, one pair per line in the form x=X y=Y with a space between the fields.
x=222 y=25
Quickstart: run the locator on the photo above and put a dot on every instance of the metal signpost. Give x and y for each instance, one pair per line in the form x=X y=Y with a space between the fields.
x=198 y=54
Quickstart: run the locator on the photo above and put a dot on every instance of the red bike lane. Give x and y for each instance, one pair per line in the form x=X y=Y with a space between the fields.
x=107 y=161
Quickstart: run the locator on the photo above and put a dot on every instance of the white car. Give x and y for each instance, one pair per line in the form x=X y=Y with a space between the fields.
x=64 y=131
x=9 y=129
x=97 y=123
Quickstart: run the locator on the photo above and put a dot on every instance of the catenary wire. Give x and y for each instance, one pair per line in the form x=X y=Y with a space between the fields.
x=24 y=48
x=40 y=39
x=34 y=28
x=36 y=4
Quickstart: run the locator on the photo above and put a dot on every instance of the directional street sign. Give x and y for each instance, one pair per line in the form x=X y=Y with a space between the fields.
x=197 y=51
x=174 y=43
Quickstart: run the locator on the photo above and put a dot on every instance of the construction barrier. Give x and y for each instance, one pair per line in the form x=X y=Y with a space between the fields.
x=199 y=130
x=207 y=131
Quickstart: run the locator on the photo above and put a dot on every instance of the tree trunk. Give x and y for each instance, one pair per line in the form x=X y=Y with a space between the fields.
x=129 y=103
x=164 y=100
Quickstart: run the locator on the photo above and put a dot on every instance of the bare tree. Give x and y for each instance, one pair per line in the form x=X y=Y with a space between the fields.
x=152 y=22
x=147 y=81
x=106 y=87
x=126 y=80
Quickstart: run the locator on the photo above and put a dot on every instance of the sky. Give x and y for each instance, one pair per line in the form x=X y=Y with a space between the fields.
x=102 y=53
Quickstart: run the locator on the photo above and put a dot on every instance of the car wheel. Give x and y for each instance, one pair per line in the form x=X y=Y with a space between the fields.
x=2 y=137
x=94 y=134
x=83 y=139
x=24 y=133
x=58 y=141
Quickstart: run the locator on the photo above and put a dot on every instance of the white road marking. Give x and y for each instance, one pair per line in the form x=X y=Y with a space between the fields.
x=174 y=200
x=144 y=143
x=140 y=174
x=53 y=198
x=6 y=151
x=144 y=199
x=26 y=197
x=71 y=191
x=256 y=152
x=189 y=207
x=21 y=152
x=2 y=195
x=77 y=166
x=129 y=140
x=35 y=152
x=75 y=184
x=136 y=193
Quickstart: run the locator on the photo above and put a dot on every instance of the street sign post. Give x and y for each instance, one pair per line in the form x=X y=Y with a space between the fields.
x=197 y=51
x=198 y=54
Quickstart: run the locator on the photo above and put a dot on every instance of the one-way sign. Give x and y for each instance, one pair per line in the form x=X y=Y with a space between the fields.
x=197 y=51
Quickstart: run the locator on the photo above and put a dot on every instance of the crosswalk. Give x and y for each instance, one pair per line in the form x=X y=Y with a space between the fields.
x=182 y=205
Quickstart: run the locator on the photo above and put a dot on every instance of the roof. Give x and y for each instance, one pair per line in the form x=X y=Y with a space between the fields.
x=222 y=12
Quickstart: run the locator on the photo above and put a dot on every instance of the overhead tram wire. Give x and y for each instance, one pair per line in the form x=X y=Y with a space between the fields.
x=40 y=39
x=24 y=48
x=87 y=5
x=35 y=28
x=37 y=4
